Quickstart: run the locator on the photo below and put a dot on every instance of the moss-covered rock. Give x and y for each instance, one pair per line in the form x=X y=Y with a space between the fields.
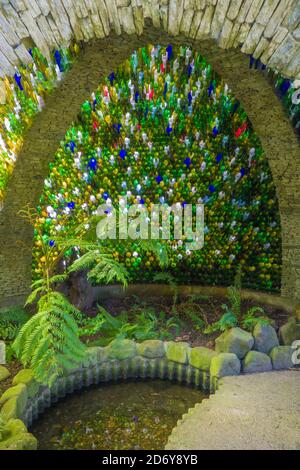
x=282 y=357
x=256 y=361
x=121 y=349
x=225 y=364
x=265 y=338
x=15 y=436
x=290 y=332
x=25 y=376
x=177 y=352
x=236 y=341
x=151 y=348
x=4 y=373
x=10 y=409
x=102 y=355
x=14 y=426
x=21 y=441
x=93 y=355
x=13 y=402
x=19 y=390
x=201 y=357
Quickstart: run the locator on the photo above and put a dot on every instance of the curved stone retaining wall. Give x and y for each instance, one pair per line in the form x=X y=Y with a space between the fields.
x=236 y=351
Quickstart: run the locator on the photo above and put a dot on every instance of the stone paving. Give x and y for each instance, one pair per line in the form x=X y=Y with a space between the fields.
x=248 y=412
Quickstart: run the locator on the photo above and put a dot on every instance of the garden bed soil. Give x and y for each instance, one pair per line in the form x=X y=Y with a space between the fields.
x=209 y=307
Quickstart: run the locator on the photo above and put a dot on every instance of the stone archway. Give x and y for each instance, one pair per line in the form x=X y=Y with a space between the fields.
x=97 y=59
x=268 y=29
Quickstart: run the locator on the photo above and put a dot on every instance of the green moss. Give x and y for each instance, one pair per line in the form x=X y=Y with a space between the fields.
x=256 y=361
x=282 y=357
x=10 y=409
x=25 y=376
x=4 y=373
x=236 y=341
x=201 y=357
x=14 y=426
x=95 y=355
x=151 y=348
x=225 y=364
x=19 y=390
x=22 y=441
x=121 y=349
x=177 y=352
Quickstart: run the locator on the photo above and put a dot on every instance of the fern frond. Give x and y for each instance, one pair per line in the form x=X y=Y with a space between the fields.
x=48 y=336
x=32 y=297
x=58 y=279
x=85 y=261
x=107 y=271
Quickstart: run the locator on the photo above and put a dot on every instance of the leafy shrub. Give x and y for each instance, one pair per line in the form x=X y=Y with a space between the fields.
x=11 y=321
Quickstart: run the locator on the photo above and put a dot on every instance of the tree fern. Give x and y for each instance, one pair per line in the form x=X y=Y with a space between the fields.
x=49 y=342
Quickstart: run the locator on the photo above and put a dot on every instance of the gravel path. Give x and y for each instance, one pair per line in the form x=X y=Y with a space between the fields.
x=255 y=411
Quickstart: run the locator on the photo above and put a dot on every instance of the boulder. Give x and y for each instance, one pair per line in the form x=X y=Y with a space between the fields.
x=2 y=353
x=102 y=355
x=290 y=332
x=13 y=402
x=21 y=441
x=91 y=357
x=236 y=341
x=256 y=361
x=10 y=409
x=25 y=376
x=14 y=435
x=151 y=348
x=225 y=364
x=121 y=349
x=14 y=426
x=265 y=338
x=282 y=357
x=95 y=355
x=201 y=357
x=4 y=373
x=19 y=390
x=177 y=351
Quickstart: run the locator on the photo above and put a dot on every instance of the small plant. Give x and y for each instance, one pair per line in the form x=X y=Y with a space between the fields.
x=139 y=324
x=234 y=316
x=250 y=320
x=11 y=321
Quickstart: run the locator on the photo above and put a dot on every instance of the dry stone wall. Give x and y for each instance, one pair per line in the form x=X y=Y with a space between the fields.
x=267 y=29
x=96 y=60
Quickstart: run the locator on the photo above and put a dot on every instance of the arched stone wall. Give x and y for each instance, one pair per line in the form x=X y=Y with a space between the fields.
x=99 y=58
x=268 y=29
